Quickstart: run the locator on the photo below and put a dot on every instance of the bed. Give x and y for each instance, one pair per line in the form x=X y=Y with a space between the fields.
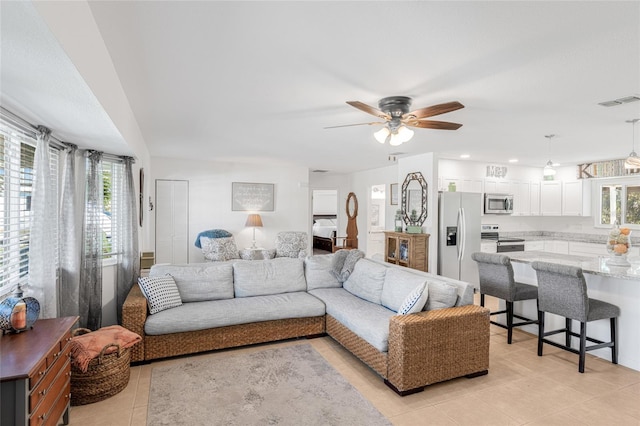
x=324 y=230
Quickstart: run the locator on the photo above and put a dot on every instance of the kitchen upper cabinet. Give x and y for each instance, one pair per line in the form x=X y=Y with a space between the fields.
x=521 y=199
x=534 y=198
x=551 y=198
x=462 y=184
x=495 y=186
x=576 y=198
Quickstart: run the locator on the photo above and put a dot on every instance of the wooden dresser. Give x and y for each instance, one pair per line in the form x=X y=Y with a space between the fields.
x=35 y=374
x=410 y=250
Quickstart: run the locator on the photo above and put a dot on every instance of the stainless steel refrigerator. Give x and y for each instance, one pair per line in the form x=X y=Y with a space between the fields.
x=458 y=234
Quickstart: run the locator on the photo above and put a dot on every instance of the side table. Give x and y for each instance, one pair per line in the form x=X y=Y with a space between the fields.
x=257 y=253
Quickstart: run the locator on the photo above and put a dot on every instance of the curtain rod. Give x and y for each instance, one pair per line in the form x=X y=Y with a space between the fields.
x=30 y=130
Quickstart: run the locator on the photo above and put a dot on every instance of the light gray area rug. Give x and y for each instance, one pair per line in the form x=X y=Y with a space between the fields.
x=285 y=386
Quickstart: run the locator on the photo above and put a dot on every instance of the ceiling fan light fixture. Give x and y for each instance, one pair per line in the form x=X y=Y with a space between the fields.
x=404 y=134
x=382 y=134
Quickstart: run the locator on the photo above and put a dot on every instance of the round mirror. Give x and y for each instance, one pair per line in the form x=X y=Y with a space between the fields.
x=352 y=205
x=414 y=199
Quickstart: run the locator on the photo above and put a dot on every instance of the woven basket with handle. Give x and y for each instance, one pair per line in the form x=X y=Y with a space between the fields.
x=107 y=375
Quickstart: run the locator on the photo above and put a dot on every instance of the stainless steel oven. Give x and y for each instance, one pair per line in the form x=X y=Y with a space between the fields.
x=498 y=203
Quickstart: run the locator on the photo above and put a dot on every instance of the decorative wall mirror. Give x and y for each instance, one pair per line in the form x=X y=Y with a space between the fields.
x=414 y=198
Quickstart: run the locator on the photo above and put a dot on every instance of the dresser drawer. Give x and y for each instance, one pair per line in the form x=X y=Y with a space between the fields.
x=43 y=388
x=39 y=373
x=42 y=413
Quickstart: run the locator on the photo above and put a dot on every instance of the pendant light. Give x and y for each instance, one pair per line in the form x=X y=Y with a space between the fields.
x=549 y=172
x=633 y=161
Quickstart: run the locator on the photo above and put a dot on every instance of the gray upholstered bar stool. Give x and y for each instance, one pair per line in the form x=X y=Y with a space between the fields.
x=562 y=290
x=496 y=279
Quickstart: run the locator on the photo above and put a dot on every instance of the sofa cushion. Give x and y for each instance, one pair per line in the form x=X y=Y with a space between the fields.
x=398 y=283
x=219 y=313
x=366 y=280
x=317 y=271
x=161 y=293
x=219 y=249
x=415 y=301
x=200 y=282
x=273 y=276
x=368 y=320
x=441 y=295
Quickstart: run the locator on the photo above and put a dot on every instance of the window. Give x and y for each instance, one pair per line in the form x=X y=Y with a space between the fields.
x=112 y=178
x=17 y=151
x=619 y=202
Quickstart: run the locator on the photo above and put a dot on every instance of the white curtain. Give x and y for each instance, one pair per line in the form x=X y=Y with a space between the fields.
x=71 y=215
x=43 y=244
x=126 y=218
x=91 y=274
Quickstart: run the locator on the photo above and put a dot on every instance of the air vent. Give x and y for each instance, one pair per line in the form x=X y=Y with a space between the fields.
x=319 y=171
x=620 y=101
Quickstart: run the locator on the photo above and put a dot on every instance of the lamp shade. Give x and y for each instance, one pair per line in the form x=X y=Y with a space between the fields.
x=254 y=220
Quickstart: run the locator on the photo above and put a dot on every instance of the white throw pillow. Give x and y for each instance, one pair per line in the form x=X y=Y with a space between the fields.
x=415 y=301
x=161 y=293
x=441 y=295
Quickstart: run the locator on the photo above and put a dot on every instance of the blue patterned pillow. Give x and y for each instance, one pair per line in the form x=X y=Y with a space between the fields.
x=415 y=301
x=161 y=293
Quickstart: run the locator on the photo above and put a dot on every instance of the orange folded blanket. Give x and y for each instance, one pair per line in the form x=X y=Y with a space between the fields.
x=88 y=346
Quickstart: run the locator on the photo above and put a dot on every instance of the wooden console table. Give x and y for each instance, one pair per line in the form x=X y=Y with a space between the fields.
x=35 y=374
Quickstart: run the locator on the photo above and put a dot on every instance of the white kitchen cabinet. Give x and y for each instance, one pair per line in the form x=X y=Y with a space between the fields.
x=551 y=198
x=521 y=199
x=489 y=247
x=463 y=184
x=587 y=249
x=534 y=198
x=556 y=246
x=495 y=186
x=576 y=198
x=537 y=245
x=172 y=221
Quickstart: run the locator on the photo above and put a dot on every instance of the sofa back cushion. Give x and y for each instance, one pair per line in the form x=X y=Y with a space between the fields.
x=318 y=272
x=441 y=295
x=367 y=280
x=197 y=283
x=398 y=283
x=273 y=276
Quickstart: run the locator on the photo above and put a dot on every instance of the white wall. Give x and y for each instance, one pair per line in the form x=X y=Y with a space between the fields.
x=325 y=201
x=210 y=198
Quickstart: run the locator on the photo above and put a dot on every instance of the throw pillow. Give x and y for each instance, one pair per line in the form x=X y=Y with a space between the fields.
x=161 y=293
x=415 y=301
x=220 y=249
x=441 y=295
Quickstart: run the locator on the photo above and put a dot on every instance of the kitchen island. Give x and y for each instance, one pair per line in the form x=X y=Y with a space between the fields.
x=613 y=284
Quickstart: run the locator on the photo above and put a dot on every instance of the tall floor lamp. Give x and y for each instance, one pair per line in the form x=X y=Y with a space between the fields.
x=254 y=220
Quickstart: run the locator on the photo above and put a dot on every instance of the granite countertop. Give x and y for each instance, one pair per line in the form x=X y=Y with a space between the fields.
x=589 y=265
x=565 y=236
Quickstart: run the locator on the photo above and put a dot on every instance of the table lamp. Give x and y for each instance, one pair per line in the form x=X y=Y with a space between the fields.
x=254 y=220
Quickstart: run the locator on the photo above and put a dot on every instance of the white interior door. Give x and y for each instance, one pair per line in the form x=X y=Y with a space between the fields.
x=172 y=221
x=376 y=221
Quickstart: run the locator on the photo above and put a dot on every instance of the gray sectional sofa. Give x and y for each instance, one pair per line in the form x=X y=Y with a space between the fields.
x=244 y=302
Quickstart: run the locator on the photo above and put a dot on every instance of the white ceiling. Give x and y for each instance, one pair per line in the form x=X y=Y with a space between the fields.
x=259 y=81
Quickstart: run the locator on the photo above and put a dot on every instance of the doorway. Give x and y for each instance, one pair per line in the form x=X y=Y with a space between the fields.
x=324 y=208
x=376 y=221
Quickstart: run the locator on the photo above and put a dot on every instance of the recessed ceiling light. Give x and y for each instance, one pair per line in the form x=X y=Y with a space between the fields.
x=464 y=156
x=513 y=160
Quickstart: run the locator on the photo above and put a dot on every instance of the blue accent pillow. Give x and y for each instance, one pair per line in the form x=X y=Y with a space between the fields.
x=212 y=233
x=415 y=300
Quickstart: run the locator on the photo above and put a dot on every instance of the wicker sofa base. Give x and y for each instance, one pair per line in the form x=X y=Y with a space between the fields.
x=168 y=345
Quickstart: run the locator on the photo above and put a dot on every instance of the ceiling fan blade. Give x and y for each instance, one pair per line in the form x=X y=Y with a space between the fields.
x=358 y=124
x=369 y=109
x=431 y=124
x=433 y=110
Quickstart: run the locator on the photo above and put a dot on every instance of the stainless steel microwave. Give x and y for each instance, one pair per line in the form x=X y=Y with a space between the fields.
x=498 y=203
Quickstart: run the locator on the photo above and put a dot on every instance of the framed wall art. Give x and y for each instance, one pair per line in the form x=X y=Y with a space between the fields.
x=393 y=200
x=257 y=197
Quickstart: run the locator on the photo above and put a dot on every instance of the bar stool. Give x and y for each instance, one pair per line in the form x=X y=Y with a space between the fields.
x=562 y=290
x=496 y=279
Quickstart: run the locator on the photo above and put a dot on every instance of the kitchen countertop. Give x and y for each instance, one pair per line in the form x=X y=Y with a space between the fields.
x=590 y=265
x=565 y=236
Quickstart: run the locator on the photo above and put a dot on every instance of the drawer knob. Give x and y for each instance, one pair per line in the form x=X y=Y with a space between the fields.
x=41 y=373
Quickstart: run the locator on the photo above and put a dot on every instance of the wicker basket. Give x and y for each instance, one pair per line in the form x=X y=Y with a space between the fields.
x=107 y=375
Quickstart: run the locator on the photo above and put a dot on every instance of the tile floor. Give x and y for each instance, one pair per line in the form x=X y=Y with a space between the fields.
x=520 y=389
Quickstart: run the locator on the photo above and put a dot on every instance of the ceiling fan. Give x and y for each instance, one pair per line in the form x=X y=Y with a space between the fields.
x=395 y=111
